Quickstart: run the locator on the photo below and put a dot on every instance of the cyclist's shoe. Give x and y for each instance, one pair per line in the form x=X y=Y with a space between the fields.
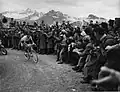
x=31 y=55
x=25 y=54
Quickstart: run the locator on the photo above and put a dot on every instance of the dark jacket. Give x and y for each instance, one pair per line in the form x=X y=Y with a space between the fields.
x=113 y=58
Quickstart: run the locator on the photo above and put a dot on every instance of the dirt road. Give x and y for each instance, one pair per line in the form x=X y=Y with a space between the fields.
x=19 y=75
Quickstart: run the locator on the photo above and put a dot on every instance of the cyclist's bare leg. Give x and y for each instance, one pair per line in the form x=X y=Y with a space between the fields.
x=30 y=49
x=26 y=49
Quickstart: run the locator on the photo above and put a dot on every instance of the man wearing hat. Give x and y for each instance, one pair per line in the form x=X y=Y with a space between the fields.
x=111 y=25
x=117 y=26
x=112 y=56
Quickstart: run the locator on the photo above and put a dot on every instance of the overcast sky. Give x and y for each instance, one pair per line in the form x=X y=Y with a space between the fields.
x=77 y=8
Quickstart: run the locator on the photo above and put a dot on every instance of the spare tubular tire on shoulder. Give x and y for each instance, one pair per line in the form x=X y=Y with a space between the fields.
x=3 y=51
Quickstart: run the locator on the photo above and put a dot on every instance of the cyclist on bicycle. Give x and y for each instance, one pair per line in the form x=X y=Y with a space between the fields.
x=27 y=42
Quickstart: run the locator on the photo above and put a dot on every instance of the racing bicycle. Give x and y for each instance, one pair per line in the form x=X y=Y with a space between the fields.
x=30 y=53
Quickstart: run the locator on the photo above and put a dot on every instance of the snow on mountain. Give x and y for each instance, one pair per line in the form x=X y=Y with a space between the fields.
x=36 y=15
x=50 y=17
x=23 y=14
x=53 y=16
x=27 y=11
x=17 y=14
x=91 y=16
x=96 y=18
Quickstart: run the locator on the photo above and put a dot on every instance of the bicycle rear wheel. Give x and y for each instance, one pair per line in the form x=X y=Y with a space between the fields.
x=34 y=56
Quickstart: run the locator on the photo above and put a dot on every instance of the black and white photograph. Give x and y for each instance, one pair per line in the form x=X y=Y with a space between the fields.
x=59 y=45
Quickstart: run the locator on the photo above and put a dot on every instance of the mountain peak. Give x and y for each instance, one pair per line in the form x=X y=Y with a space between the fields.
x=51 y=12
x=28 y=10
x=49 y=17
x=91 y=16
x=54 y=13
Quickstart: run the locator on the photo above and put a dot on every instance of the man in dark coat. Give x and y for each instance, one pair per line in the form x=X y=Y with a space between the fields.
x=111 y=56
x=105 y=79
x=111 y=25
x=83 y=54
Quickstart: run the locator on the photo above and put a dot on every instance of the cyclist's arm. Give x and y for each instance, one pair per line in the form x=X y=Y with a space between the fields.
x=22 y=43
x=32 y=40
x=22 y=40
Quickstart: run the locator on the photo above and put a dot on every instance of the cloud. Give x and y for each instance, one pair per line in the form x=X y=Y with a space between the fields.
x=63 y=2
x=111 y=3
x=69 y=2
x=1 y=5
x=97 y=8
x=105 y=8
x=8 y=5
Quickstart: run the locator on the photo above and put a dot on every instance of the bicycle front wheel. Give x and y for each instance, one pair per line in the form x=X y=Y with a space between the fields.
x=27 y=56
x=34 y=56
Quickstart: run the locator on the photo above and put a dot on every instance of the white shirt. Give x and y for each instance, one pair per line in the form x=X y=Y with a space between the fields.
x=83 y=33
x=26 y=39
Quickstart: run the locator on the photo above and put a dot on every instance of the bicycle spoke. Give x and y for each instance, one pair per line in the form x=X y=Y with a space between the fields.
x=34 y=57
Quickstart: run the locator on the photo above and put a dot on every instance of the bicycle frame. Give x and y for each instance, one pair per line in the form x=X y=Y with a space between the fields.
x=30 y=51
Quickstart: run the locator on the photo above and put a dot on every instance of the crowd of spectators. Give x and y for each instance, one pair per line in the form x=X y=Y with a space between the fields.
x=88 y=47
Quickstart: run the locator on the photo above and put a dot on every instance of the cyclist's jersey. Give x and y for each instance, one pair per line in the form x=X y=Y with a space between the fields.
x=27 y=39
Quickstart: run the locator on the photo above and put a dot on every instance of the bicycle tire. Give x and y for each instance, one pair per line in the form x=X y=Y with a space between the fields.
x=3 y=51
x=27 y=56
x=34 y=56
